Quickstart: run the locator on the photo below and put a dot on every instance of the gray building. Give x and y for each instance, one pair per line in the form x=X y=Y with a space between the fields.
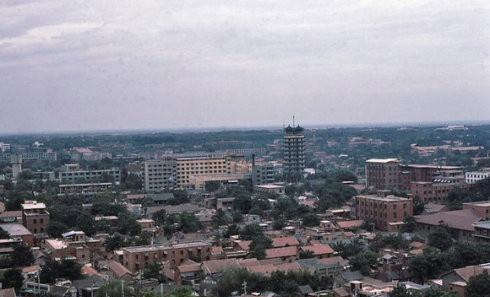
x=294 y=152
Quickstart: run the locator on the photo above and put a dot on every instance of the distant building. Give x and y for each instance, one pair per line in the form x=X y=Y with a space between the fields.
x=16 y=161
x=272 y=188
x=435 y=192
x=387 y=212
x=35 y=217
x=87 y=189
x=262 y=173
x=71 y=174
x=192 y=171
x=294 y=152
x=473 y=177
x=383 y=173
x=138 y=257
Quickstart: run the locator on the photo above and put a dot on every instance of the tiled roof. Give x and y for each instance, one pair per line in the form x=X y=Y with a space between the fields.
x=288 y=251
x=118 y=269
x=318 y=249
x=284 y=241
x=216 y=266
x=9 y=292
x=457 y=219
x=350 y=224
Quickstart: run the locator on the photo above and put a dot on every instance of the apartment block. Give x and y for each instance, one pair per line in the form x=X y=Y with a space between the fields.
x=72 y=174
x=383 y=174
x=87 y=189
x=263 y=173
x=137 y=258
x=437 y=192
x=387 y=212
x=293 y=152
x=35 y=217
x=192 y=171
x=475 y=176
x=480 y=208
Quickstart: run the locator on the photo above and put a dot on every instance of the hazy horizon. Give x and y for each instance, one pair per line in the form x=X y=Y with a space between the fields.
x=70 y=66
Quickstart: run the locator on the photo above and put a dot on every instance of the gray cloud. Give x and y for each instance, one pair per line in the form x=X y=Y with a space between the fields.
x=70 y=65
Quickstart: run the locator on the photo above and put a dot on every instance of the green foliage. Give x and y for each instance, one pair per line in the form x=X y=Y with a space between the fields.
x=127 y=224
x=221 y=218
x=258 y=246
x=4 y=234
x=333 y=194
x=21 y=256
x=115 y=288
x=429 y=265
x=349 y=249
x=440 y=239
x=185 y=222
x=284 y=284
x=114 y=242
x=251 y=231
x=13 y=278
x=393 y=241
x=53 y=270
x=479 y=285
x=306 y=254
x=153 y=270
x=364 y=261
x=55 y=228
x=232 y=229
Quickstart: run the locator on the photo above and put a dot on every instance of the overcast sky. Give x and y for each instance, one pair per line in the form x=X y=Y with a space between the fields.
x=83 y=65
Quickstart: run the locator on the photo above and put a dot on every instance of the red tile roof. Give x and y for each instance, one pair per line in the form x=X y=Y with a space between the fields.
x=9 y=292
x=350 y=224
x=284 y=241
x=457 y=219
x=118 y=269
x=216 y=266
x=318 y=249
x=288 y=251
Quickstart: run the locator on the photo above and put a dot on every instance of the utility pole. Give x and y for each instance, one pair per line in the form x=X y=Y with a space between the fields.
x=244 y=285
x=122 y=288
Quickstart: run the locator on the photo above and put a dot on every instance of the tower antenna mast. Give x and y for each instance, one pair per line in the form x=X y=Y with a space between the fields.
x=293 y=122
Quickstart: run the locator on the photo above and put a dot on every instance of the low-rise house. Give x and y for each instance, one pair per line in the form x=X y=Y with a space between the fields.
x=20 y=232
x=458 y=222
x=457 y=279
x=319 y=250
x=284 y=254
x=284 y=241
x=118 y=271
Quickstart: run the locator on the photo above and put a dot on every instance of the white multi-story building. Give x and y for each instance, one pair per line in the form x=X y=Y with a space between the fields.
x=473 y=177
x=72 y=174
x=181 y=172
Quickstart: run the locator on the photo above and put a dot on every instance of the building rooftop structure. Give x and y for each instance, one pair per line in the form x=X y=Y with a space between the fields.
x=15 y=229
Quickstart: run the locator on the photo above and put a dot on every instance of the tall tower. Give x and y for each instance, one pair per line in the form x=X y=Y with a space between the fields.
x=16 y=161
x=294 y=152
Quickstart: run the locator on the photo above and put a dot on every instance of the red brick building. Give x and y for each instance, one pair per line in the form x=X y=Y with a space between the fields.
x=387 y=212
x=138 y=257
x=35 y=217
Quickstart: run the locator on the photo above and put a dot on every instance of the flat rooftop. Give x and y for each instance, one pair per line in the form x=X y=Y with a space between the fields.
x=389 y=198
x=478 y=203
x=388 y=160
x=159 y=247
x=15 y=229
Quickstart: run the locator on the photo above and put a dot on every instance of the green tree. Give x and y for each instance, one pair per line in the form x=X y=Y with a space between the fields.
x=53 y=270
x=4 y=234
x=364 y=261
x=13 y=278
x=56 y=228
x=258 y=246
x=440 y=239
x=114 y=242
x=479 y=285
x=22 y=256
x=306 y=254
x=153 y=270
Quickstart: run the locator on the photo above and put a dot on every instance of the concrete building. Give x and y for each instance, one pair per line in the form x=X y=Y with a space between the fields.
x=294 y=152
x=16 y=161
x=193 y=171
x=481 y=208
x=272 y=188
x=383 y=174
x=473 y=177
x=19 y=232
x=73 y=174
x=387 y=212
x=482 y=231
x=262 y=173
x=433 y=191
x=35 y=217
x=160 y=174
x=138 y=257
x=87 y=189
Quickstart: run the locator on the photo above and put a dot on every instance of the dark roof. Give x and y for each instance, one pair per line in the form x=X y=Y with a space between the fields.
x=305 y=289
x=351 y=275
x=294 y=130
